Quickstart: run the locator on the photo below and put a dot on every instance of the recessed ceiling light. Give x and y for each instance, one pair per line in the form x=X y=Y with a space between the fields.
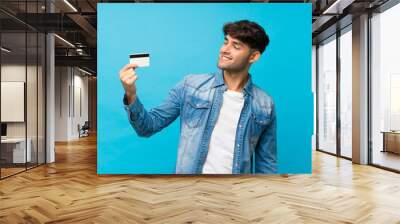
x=5 y=50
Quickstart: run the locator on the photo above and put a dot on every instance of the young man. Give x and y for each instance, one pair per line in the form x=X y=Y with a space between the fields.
x=228 y=124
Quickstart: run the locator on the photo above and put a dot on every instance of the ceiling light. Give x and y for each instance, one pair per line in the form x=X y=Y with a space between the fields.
x=337 y=7
x=84 y=71
x=64 y=40
x=70 y=5
x=5 y=50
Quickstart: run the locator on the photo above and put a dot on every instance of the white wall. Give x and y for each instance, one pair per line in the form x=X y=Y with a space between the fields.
x=16 y=72
x=71 y=93
x=33 y=127
x=80 y=100
x=61 y=103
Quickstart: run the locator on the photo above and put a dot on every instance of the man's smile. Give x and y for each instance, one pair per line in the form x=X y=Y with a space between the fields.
x=225 y=58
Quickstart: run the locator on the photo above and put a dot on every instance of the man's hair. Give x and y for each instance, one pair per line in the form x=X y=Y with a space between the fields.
x=249 y=33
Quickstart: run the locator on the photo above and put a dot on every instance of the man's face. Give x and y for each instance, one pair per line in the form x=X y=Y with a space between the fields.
x=234 y=55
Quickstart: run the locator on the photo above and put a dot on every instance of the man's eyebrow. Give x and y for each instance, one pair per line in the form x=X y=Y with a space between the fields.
x=237 y=42
x=234 y=41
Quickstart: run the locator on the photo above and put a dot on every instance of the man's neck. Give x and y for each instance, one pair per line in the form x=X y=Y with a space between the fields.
x=236 y=80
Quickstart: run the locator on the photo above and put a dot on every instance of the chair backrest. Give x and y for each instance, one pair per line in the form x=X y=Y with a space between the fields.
x=86 y=125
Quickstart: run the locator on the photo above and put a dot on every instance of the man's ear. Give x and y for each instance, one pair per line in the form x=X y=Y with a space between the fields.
x=254 y=56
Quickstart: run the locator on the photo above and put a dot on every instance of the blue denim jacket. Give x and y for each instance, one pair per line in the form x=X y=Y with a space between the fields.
x=198 y=99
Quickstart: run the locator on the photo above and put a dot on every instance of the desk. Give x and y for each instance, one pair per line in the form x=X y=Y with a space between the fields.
x=391 y=141
x=17 y=150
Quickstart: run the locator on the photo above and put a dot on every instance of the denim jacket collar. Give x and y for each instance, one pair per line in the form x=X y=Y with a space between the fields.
x=219 y=80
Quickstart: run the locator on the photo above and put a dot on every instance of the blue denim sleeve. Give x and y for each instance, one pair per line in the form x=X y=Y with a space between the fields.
x=266 y=154
x=147 y=123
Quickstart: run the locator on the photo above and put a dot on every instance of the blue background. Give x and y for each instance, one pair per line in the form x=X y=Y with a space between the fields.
x=185 y=39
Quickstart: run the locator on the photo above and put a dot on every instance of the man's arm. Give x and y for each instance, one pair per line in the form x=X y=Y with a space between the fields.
x=147 y=123
x=266 y=154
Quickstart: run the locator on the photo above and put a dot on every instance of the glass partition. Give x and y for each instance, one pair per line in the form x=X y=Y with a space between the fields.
x=13 y=103
x=22 y=88
x=346 y=92
x=327 y=95
x=385 y=89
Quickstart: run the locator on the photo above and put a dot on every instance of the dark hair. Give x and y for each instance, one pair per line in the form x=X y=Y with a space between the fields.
x=249 y=33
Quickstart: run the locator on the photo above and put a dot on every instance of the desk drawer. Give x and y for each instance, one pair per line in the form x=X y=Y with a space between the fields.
x=392 y=142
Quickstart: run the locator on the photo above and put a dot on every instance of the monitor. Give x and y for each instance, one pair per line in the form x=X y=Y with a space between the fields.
x=3 y=129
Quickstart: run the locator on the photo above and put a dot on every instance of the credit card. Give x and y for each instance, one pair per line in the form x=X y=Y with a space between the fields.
x=141 y=60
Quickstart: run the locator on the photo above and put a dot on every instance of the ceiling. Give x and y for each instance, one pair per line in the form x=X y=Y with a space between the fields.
x=329 y=16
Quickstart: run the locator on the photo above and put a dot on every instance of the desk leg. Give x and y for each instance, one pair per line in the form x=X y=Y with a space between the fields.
x=384 y=142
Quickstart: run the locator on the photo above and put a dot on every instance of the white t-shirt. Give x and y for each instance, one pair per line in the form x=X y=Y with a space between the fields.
x=222 y=143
